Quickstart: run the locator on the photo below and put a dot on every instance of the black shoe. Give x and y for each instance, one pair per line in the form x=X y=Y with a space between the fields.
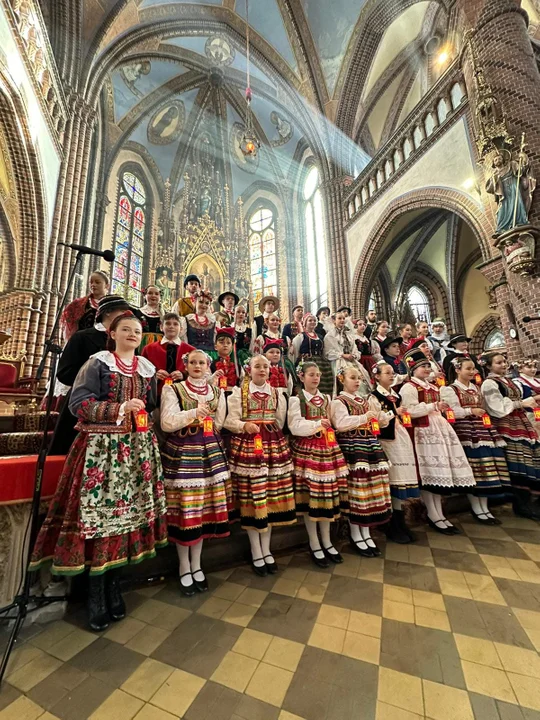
x=394 y=529
x=375 y=550
x=495 y=520
x=200 y=585
x=333 y=557
x=187 y=590
x=320 y=562
x=443 y=530
x=454 y=530
x=260 y=571
x=115 y=601
x=271 y=567
x=364 y=553
x=482 y=518
x=96 y=604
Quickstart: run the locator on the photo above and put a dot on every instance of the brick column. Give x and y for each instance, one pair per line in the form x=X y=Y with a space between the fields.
x=336 y=247
x=504 y=53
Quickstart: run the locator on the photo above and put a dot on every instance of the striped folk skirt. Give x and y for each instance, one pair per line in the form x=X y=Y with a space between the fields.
x=522 y=450
x=197 y=486
x=262 y=483
x=484 y=448
x=320 y=477
x=369 y=502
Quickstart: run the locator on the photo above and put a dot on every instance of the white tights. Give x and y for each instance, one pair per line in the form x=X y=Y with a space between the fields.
x=361 y=536
x=189 y=557
x=260 y=546
x=479 y=505
x=434 y=509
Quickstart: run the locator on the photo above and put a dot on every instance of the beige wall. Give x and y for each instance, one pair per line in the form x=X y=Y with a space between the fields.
x=474 y=299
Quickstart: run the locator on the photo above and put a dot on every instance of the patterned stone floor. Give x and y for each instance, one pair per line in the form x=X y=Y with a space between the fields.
x=446 y=629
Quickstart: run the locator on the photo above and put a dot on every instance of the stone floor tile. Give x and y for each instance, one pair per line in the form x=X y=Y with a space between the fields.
x=365 y=624
x=286 y=617
x=446 y=703
x=148 y=640
x=460 y=561
x=235 y=671
x=334 y=616
x=286 y=587
x=312 y=593
x=327 y=638
x=400 y=689
x=178 y=692
x=518 y=660
x=82 y=700
x=239 y=614
x=150 y=712
x=26 y=677
x=483 y=588
x=21 y=709
x=118 y=706
x=527 y=690
x=396 y=593
x=390 y=712
x=214 y=607
x=427 y=617
x=362 y=647
x=252 y=643
x=147 y=679
x=284 y=653
x=353 y=594
x=229 y=591
x=433 y=601
x=532 y=551
x=478 y=651
x=123 y=631
x=488 y=681
x=398 y=611
x=503 y=626
x=270 y=684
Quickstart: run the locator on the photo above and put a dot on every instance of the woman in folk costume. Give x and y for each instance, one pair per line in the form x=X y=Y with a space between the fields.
x=369 y=504
x=382 y=330
x=529 y=385
x=341 y=351
x=152 y=316
x=399 y=450
x=307 y=346
x=80 y=314
x=243 y=335
x=197 y=480
x=443 y=467
x=507 y=408
x=320 y=470
x=198 y=328
x=260 y=461
x=109 y=507
x=365 y=346
x=483 y=445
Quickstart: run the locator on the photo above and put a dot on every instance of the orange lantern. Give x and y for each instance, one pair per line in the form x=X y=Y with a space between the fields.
x=478 y=379
x=375 y=427
x=486 y=420
x=406 y=420
x=258 y=444
x=441 y=382
x=330 y=437
x=223 y=382
x=536 y=412
x=450 y=416
x=208 y=426
x=141 y=421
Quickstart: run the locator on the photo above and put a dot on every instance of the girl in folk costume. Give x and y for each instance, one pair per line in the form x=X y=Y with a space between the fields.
x=81 y=313
x=442 y=465
x=340 y=349
x=365 y=347
x=109 y=507
x=529 y=385
x=507 y=408
x=308 y=346
x=260 y=461
x=320 y=470
x=406 y=333
x=279 y=376
x=243 y=335
x=293 y=328
x=270 y=331
x=382 y=330
x=437 y=375
x=151 y=316
x=369 y=503
x=399 y=450
x=197 y=480
x=483 y=445
x=198 y=328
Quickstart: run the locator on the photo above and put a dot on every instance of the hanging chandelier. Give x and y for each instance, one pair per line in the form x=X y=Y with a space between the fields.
x=249 y=144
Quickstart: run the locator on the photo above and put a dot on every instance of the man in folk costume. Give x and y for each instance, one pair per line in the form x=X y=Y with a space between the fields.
x=268 y=304
x=186 y=305
x=371 y=323
x=293 y=328
x=227 y=302
x=78 y=350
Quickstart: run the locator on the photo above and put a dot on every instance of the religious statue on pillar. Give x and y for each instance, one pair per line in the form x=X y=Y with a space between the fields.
x=513 y=185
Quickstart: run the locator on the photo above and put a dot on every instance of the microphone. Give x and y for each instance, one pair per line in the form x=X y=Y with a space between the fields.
x=530 y=318
x=107 y=255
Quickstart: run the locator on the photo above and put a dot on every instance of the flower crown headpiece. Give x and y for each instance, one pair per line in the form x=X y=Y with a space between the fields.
x=186 y=355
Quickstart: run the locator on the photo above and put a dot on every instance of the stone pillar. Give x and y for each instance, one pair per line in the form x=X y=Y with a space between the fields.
x=498 y=30
x=336 y=247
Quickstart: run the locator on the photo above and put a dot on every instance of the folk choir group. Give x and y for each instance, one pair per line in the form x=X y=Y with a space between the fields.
x=179 y=424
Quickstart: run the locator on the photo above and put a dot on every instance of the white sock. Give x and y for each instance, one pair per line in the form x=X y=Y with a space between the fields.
x=356 y=536
x=196 y=551
x=183 y=557
x=314 y=544
x=432 y=510
x=265 y=545
x=366 y=535
x=476 y=505
x=325 y=537
x=485 y=507
x=256 y=550
x=397 y=504
x=438 y=505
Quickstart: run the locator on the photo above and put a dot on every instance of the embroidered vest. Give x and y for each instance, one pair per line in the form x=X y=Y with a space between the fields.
x=468 y=398
x=313 y=412
x=189 y=403
x=389 y=432
x=425 y=395
x=258 y=408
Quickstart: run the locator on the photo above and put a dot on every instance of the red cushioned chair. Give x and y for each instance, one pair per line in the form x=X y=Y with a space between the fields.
x=13 y=387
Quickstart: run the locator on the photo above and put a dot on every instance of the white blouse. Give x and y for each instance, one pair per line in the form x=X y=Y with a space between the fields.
x=234 y=422
x=343 y=422
x=172 y=418
x=333 y=345
x=496 y=404
x=450 y=397
x=409 y=396
x=298 y=425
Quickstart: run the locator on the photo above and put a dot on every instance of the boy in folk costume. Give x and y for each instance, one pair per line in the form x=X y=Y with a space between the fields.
x=442 y=465
x=197 y=480
x=320 y=470
x=226 y=360
x=242 y=335
x=227 y=302
x=369 y=502
x=279 y=376
x=260 y=461
x=186 y=305
x=168 y=353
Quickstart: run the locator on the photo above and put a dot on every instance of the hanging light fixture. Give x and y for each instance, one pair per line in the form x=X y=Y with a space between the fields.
x=249 y=145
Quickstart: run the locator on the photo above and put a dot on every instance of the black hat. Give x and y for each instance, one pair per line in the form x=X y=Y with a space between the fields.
x=110 y=303
x=344 y=307
x=189 y=278
x=390 y=341
x=321 y=309
x=223 y=295
x=460 y=337
x=413 y=358
x=419 y=342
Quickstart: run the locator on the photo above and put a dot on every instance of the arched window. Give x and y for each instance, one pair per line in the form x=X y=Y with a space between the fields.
x=262 y=253
x=495 y=339
x=419 y=303
x=316 y=244
x=372 y=304
x=129 y=240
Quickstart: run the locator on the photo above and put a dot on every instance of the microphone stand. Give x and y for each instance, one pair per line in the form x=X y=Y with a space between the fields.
x=24 y=598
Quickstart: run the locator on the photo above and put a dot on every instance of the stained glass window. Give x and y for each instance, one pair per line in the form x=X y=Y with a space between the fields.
x=315 y=241
x=262 y=253
x=129 y=240
x=419 y=303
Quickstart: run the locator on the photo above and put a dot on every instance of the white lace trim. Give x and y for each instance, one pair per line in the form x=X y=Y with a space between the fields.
x=144 y=367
